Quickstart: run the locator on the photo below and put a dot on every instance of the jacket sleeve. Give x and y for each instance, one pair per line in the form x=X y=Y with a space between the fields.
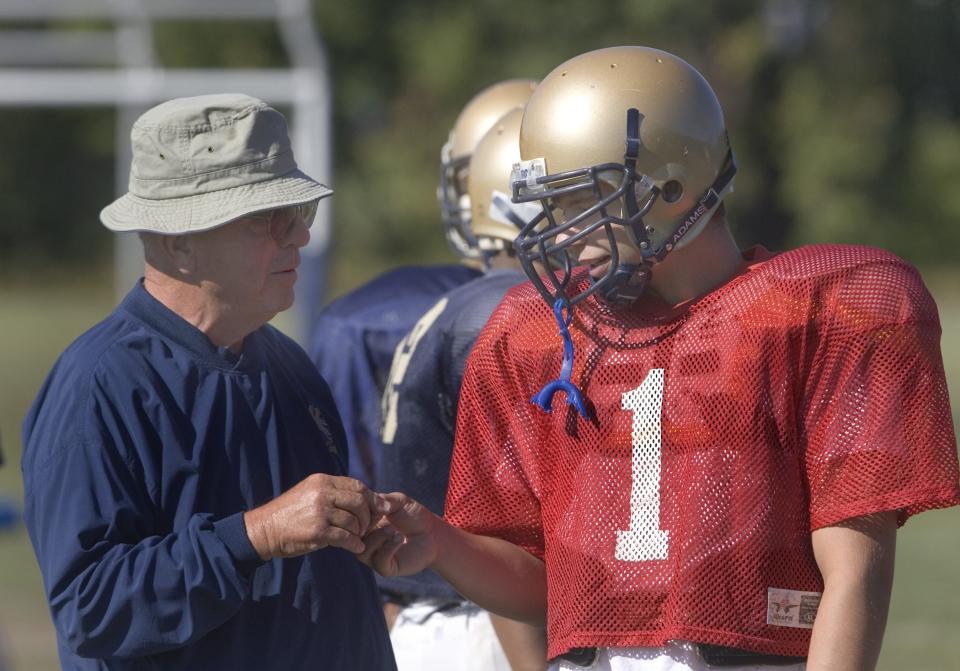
x=118 y=582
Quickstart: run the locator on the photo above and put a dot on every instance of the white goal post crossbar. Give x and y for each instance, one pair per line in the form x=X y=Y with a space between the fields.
x=62 y=67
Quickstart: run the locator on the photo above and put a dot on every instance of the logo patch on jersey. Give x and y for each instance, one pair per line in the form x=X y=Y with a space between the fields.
x=321 y=423
x=791 y=608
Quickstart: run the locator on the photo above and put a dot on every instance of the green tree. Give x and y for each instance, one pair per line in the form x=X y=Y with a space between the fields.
x=843 y=118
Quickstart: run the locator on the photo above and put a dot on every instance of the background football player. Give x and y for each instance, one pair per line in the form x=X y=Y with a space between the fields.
x=737 y=435
x=353 y=339
x=437 y=628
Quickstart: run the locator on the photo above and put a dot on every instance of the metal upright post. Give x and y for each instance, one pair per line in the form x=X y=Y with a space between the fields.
x=133 y=41
x=312 y=116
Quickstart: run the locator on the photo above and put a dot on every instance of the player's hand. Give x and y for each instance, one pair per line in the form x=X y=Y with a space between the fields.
x=319 y=511
x=404 y=542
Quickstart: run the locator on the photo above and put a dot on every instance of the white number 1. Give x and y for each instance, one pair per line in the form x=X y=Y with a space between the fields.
x=644 y=540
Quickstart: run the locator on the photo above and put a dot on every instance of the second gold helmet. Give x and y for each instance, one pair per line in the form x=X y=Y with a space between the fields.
x=476 y=118
x=494 y=220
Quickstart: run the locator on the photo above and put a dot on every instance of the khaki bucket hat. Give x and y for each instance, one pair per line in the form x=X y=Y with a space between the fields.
x=205 y=161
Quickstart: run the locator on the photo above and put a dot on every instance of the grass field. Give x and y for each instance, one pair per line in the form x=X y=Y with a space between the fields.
x=37 y=323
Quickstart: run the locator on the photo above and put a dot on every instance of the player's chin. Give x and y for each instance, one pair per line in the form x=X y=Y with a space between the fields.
x=596 y=266
x=279 y=299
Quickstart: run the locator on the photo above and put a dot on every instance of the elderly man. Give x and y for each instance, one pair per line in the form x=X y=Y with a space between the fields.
x=183 y=461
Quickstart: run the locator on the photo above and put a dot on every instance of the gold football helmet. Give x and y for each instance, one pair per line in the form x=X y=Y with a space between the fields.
x=494 y=220
x=475 y=119
x=639 y=132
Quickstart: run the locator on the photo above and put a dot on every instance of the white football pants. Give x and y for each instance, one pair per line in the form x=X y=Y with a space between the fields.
x=676 y=656
x=458 y=639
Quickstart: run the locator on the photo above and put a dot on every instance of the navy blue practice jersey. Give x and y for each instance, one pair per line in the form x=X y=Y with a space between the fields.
x=420 y=405
x=352 y=345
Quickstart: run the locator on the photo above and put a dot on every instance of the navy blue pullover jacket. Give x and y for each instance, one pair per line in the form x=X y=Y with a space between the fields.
x=142 y=450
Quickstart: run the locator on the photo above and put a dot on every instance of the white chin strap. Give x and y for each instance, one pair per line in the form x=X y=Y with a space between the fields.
x=463 y=202
x=501 y=205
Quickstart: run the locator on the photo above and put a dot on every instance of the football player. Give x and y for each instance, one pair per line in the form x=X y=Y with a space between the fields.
x=716 y=475
x=437 y=628
x=353 y=339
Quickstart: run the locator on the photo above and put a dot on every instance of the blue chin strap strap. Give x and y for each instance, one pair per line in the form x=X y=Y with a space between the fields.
x=544 y=398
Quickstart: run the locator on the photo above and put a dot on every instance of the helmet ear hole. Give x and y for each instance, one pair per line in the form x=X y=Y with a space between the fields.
x=671 y=191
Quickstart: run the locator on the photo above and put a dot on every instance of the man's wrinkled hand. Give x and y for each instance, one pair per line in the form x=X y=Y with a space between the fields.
x=320 y=511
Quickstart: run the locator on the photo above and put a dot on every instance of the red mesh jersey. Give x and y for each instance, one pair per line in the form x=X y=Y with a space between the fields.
x=806 y=390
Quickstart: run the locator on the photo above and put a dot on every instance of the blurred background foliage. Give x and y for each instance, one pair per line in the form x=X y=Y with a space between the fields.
x=843 y=116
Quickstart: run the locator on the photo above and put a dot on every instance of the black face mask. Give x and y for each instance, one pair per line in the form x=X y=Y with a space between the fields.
x=633 y=198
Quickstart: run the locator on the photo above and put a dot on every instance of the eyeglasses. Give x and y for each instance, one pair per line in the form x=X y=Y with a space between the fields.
x=280 y=221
